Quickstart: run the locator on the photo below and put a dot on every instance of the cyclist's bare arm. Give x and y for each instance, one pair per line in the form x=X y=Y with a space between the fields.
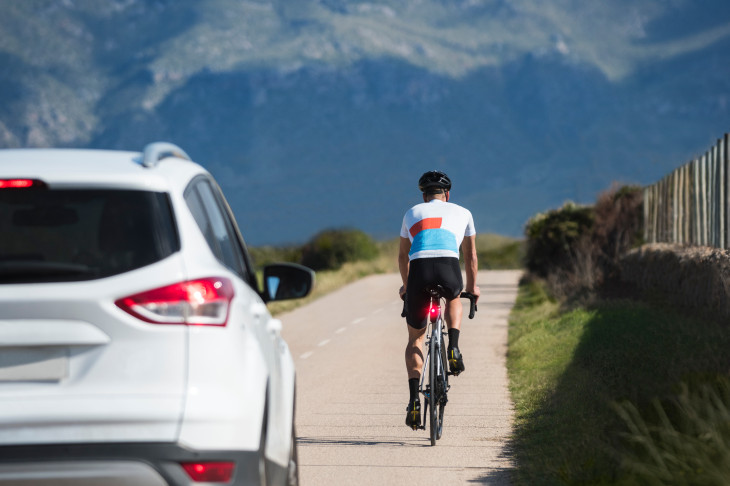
x=469 y=248
x=404 y=262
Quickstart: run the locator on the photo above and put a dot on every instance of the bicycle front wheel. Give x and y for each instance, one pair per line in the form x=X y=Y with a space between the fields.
x=435 y=378
x=442 y=378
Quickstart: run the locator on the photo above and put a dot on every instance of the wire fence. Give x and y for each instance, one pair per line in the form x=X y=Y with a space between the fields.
x=691 y=204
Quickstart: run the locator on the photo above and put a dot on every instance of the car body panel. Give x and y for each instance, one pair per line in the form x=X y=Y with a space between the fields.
x=127 y=388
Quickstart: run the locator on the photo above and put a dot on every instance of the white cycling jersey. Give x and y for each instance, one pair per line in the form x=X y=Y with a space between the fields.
x=436 y=229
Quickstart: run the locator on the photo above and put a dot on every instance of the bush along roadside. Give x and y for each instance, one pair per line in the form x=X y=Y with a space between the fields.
x=617 y=393
x=330 y=249
x=577 y=249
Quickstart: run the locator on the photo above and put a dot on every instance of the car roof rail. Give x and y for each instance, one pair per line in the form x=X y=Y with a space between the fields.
x=154 y=152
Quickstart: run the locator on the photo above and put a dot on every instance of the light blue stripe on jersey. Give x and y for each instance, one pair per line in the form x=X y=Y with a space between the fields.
x=434 y=239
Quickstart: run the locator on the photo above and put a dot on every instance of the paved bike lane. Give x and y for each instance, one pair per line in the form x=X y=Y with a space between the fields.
x=352 y=390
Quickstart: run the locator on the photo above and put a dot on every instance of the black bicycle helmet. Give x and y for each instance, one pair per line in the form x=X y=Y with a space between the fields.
x=434 y=178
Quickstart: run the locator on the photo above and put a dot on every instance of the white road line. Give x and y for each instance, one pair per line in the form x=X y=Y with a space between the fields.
x=376 y=311
x=323 y=343
x=358 y=320
x=306 y=355
x=340 y=330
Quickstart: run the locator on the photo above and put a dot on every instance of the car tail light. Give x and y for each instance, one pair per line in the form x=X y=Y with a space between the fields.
x=20 y=183
x=200 y=302
x=209 y=472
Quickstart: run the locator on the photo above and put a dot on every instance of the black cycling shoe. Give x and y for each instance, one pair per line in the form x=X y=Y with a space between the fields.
x=456 y=363
x=413 y=417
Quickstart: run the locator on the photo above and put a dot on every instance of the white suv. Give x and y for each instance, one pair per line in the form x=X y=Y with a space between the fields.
x=135 y=346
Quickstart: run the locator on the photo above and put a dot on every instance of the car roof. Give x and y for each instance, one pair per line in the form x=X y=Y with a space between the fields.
x=96 y=168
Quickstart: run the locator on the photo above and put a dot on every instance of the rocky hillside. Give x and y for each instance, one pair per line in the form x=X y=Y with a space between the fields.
x=317 y=114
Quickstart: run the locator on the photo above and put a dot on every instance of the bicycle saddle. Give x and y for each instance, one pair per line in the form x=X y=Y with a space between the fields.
x=437 y=291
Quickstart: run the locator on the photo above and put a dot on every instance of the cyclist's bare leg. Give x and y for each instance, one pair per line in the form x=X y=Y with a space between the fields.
x=453 y=314
x=414 y=351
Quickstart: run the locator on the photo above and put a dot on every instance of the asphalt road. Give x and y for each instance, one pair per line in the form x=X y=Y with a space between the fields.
x=352 y=390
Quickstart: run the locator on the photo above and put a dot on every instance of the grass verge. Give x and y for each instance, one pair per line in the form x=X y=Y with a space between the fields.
x=586 y=383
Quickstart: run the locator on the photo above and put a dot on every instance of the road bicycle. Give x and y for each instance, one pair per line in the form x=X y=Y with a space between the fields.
x=434 y=385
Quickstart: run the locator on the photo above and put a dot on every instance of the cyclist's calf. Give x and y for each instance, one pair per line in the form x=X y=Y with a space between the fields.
x=453 y=313
x=414 y=351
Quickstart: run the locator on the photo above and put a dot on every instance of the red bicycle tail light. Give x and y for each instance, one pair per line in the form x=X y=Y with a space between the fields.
x=209 y=472
x=200 y=302
x=434 y=311
x=20 y=183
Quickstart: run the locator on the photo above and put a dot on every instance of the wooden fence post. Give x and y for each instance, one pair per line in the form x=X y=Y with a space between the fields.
x=687 y=188
x=674 y=186
x=711 y=198
x=703 y=190
x=721 y=243
x=725 y=154
x=696 y=202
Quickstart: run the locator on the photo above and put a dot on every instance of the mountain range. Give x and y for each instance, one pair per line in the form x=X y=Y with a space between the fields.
x=315 y=114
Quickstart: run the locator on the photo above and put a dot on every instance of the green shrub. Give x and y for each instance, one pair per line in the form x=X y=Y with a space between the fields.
x=553 y=236
x=329 y=249
x=577 y=249
x=618 y=225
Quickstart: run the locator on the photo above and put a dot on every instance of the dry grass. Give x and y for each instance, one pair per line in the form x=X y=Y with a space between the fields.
x=330 y=280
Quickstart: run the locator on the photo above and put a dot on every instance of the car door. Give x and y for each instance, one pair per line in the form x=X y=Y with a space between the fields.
x=213 y=216
x=276 y=352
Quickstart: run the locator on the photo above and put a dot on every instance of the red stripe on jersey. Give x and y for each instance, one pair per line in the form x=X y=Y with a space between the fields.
x=424 y=224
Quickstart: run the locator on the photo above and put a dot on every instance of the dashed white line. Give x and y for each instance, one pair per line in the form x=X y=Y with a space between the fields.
x=358 y=320
x=376 y=311
x=306 y=355
x=340 y=330
x=323 y=343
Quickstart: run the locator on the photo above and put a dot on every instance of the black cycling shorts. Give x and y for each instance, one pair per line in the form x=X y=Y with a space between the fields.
x=444 y=271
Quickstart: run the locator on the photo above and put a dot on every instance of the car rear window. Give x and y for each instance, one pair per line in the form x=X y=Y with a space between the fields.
x=51 y=235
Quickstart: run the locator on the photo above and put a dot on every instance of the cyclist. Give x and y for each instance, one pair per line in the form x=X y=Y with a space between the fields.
x=431 y=235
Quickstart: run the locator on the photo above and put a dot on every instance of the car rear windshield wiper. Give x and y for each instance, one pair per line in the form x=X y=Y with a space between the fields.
x=14 y=270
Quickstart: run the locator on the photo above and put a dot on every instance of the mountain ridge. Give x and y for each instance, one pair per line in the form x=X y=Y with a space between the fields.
x=323 y=114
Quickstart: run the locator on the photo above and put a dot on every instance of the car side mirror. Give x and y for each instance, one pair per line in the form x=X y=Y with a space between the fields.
x=283 y=281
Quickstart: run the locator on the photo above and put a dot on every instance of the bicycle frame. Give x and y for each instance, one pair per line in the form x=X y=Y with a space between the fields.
x=434 y=366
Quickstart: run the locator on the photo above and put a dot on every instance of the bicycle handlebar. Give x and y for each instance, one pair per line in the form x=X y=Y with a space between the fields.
x=472 y=303
x=464 y=295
